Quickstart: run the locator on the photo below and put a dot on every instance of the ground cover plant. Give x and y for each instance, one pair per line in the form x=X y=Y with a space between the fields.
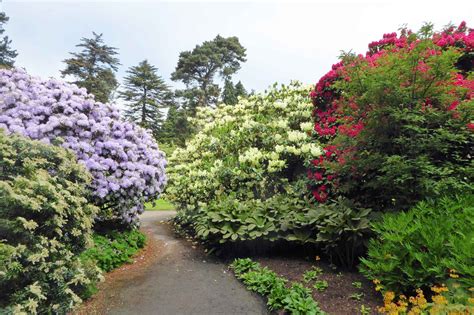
x=313 y=273
x=45 y=224
x=114 y=248
x=293 y=298
x=242 y=176
x=126 y=165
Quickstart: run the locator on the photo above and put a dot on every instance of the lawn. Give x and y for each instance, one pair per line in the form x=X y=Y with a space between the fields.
x=159 y=205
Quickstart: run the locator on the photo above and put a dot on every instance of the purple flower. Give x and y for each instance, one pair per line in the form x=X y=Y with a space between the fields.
x=124 y=160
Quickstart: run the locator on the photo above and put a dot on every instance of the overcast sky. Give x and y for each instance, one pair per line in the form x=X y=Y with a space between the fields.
x=284 y=40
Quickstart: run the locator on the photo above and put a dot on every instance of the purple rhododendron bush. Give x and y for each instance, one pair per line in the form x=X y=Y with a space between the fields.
x=127 y=166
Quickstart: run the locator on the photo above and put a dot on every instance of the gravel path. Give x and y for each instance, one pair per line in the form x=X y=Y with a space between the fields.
x=182 y=281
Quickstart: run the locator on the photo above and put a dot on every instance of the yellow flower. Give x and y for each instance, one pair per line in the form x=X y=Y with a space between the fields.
x=377 y=281
x=388 y=297
x=318 y=258
x=439 y=299
x=453 y=275
x=439 y=289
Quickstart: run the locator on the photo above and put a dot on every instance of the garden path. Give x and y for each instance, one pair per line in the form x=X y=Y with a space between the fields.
x=182 y=280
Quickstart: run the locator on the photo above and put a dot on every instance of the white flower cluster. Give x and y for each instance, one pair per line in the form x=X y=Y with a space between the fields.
x=243 y=148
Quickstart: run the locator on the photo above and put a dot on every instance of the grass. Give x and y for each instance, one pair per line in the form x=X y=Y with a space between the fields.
x=160 y=205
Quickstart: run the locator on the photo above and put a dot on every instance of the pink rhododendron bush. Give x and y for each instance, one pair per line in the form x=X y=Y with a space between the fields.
x=397 y=122
x=126 y=164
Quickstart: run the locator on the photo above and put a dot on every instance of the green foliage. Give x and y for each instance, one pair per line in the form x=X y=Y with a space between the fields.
x=312 y=274
x=45 y=224
x=415 y=143
x=94 y=67
x=231 y=93
x=321 y=285
x=357 y=285
x=342 y=229
x=364 y=310
x=176 y=128
x=300 y=302
x=357 y=296
x=146 y=94
x=296 y=299
x=421 y=247
x=113 y=249
x=7 y=54
x=199 y=67
x=242 y=176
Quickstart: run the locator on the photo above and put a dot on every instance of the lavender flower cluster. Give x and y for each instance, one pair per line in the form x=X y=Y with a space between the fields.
x=124 y=160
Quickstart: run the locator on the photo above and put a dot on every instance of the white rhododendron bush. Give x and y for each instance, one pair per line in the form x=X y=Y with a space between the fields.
x=242 y=177
x=126 y=165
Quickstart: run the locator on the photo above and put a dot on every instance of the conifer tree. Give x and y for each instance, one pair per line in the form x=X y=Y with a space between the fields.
x=7 y=54
x=146 y=94
x=198 y=69
x=94 y=67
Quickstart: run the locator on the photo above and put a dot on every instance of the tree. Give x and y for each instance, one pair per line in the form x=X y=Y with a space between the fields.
x=240 y=89
x=94 y=67
x=7 y=54
x=175 y=129
x=231 y=93
x=146 y=94
x=199 y=67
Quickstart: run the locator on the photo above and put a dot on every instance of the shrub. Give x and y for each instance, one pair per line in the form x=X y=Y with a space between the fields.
x=114 y=248
x=242 y=176
x=45 y=223
x=397 y=122
x=124 y=160
x=426 y=246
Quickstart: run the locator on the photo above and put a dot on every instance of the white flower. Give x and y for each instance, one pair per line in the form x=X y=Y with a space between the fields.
x=315 y=150
x=306 y=126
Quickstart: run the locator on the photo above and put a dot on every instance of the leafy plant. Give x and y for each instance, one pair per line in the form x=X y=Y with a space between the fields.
x=357 y=285
x=45 y=224
x=297 y=299
x=312 y=274
x=300 y=302
x=421 y=247
x=342 y=229
x=321 y=285
x=364 y=310
x=113 y=249
x=357 y=296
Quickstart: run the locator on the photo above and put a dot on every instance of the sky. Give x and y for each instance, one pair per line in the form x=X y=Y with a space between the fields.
x=285 y=40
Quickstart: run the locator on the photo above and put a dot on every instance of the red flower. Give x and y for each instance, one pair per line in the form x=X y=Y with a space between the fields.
x=453 y=105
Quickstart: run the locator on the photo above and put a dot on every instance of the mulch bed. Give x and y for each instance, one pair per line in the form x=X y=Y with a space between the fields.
x=336 y=299
x=103 y=299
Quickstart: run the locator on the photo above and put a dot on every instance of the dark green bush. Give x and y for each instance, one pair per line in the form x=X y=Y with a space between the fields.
x=424 y=246
x=113 y=249
x=45 y=223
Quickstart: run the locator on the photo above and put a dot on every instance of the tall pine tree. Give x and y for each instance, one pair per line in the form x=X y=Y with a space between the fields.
x=7 y=54
x=94 y=67
x=231 y=93
x=176 y=128
x=145 y=94
x=198 y=69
